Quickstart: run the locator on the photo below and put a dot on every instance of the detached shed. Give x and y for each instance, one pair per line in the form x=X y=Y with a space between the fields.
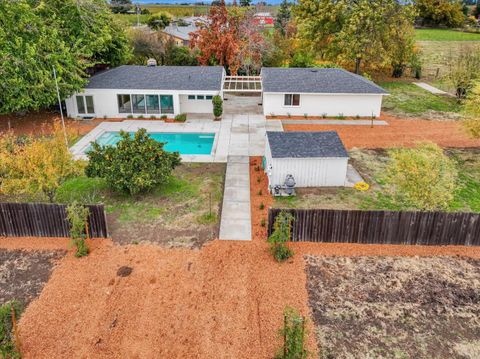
x=314 y=159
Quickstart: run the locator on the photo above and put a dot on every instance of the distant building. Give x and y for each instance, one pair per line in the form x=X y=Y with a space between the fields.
x=179 y=31
x=264 y=19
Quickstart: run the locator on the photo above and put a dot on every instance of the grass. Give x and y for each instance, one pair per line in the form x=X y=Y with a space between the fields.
x=186 y=206
x=371 y=164
x=445 y=35
x=407 y=98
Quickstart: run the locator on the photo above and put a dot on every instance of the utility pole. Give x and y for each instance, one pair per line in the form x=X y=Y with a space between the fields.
x=60 y=106
x=137 y=8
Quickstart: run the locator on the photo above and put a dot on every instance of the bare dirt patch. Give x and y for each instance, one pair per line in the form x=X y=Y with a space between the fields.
x=183 y=213
x=392 y=307
x=24 y=273
x=399 y=132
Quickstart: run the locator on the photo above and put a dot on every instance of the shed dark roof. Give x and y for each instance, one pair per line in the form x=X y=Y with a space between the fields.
x=201 y=78
x=306 y=144
x=316 y=80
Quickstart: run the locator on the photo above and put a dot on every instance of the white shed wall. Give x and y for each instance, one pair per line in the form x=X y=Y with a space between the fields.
x=196 y=106
x=106 y=105
x=331 y=105
x=307 y=172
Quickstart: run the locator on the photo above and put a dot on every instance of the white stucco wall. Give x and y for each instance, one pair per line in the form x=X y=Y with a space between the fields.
x=196 y=106
x=106 y=103
x=319 y=104
x=307 y=172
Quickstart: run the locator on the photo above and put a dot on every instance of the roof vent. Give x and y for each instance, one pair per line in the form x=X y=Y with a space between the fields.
x=151 y=62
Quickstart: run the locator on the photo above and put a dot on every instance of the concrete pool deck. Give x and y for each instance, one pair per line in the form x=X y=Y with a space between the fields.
x=237 y=136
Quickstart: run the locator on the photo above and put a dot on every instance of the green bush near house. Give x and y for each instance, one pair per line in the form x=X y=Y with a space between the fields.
x=217 y=106
x=182 y=117
x=280 y=236
x=135 y=165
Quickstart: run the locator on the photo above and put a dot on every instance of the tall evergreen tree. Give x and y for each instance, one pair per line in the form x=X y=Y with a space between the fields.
x=283 y=17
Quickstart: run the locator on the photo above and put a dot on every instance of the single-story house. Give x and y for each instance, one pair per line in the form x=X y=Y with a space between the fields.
x=147 y=91
x=134 y=91
x=180 y=34
x=314 y=159
x=328 y=92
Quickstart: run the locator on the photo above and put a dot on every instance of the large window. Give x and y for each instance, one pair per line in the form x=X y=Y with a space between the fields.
x=166 y=103
x=124 y=104
x=291 y=100
x=143 y=104
x=138 y=102
x=153 y=105
x=85 y=105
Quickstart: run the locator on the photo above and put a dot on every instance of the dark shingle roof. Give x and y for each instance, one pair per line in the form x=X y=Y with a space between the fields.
x=305 y=144
x=316 y=80
x=206 y=78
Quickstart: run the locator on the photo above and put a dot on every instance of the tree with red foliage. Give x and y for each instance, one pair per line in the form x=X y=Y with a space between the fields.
x=219 y=40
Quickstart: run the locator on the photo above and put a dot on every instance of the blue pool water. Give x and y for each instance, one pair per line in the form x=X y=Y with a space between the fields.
x=185 y=143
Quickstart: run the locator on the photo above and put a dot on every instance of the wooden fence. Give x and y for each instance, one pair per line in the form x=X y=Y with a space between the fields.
x=382 y=227
x=46 y=220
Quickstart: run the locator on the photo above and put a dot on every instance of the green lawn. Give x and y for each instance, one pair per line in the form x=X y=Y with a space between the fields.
x=445 y=35
x=186 y=207
x=407 y=98
x=371 y=164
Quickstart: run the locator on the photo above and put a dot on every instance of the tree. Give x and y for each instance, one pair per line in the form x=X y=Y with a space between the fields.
x=284 y=16
x=421 y=178
x=245 y=3
x=77 y=216
x=179 y=55
x=352 y=33
x=135 y=165
x=36 y=167
x=70 y=35
x=121 y=6
x=146 y=45
x=472 y=111
x=158 y=21
x=218 y=40
x=463 y=70
x=440 y=12
x=252 y=45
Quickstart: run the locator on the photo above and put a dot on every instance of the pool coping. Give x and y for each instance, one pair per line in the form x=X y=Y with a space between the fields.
x=153 y=126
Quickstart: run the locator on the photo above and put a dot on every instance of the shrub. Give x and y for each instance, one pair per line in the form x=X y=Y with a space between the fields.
x=280 y=236
x=305 y=115
x=341 y=116
x=217 y=106
x=36 y=166
x=324 y=115
x=158 y=21
x=472 y=111
x=77 y=216
x=153 y=117
x=130 y=116
x=135 y=165
x=163 y=117
x=263 y=223
x=262 y=206
x=293 y=333
x=140 y=116
x=8 y=348
x=182 y=117
x=260 y=192
x=289 y=114
x=421 y=178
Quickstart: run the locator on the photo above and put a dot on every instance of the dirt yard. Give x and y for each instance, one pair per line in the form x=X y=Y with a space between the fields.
x=399 y=132
x=224 y=300
x=372 y=307
x=24 y=273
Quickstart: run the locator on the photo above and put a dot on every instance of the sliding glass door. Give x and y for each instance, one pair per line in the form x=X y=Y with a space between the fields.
x=166 y=103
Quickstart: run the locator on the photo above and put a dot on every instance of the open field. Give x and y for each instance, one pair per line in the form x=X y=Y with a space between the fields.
x=445 y=35
x=386 y=307
x=371 y=165
x=183 y=212
x=24 y=273
x=408 y=99
x=436 y=55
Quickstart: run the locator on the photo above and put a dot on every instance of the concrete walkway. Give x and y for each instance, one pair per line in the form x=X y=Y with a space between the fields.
x=431 y=89
x=335 y=122
x=236 y=221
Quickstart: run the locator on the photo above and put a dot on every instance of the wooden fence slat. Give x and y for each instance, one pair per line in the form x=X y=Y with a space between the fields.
x=46 y=220
x=381 y=227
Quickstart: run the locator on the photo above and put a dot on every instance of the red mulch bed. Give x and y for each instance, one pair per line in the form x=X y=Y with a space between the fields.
x=398 y=133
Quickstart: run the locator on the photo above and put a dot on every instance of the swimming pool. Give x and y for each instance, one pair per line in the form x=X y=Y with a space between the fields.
x=184 y=143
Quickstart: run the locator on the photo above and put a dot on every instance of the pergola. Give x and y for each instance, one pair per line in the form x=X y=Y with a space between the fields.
x=242 y=84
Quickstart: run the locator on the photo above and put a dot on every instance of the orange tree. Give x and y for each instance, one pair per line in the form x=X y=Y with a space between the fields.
x=35 y=167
